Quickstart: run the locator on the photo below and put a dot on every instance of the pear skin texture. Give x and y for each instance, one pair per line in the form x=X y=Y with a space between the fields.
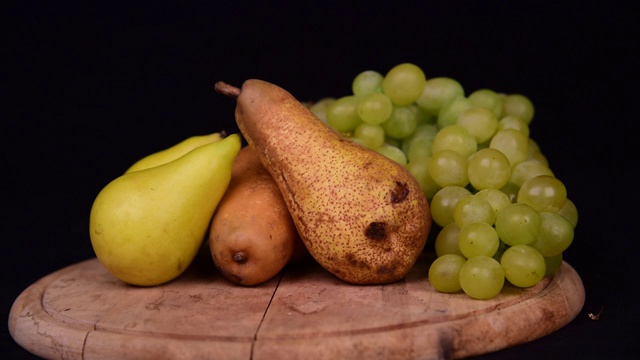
x=252 y=235
x=147 y=226
x=362 y=216
x=174 y=152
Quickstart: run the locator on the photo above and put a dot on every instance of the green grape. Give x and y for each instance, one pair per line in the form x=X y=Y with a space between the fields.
x=444 y=273
x=569 y=211
x=357 y=140
x=555 y=235
x=424 y=117
x=489 y=169
x=375 y=108
x=512 y=143
x=436 y=92
x=553 y=264
x=496 y=198
x=372 y=135
x=444 y=202
x=502 y=247
x=392 y=153
x=401 y=123
x=543 y=193
x=481 y=277
x=514 y=122
x=518 y=105
x=488 y=99
x=419 y=168
x=422 y=130
x=528 y=169
x=451 y=110
x=446 y=241
x=518 y=224
x=471 y=209
x=523 y=265
x=511 y=190
x=342 y=114
x=534 y=152
x=420 y=148
x=391 y=141
x=320 y=108
x=367 y=82
x=480 y=122
x=404 y=83
x=478 y=239
x=448 y=167
x=456 y=138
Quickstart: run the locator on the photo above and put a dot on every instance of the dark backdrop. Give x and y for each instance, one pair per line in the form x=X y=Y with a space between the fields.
x=90 y=87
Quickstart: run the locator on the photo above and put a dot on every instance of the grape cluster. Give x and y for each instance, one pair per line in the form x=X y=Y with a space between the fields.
x=501 y=214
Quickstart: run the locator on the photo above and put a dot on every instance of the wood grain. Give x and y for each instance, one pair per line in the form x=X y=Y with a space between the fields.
x=83 y=312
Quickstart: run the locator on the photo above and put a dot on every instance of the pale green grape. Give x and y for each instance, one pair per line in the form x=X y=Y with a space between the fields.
x=537 y=156
x=569 y=211
x=420 y=148
x=404 y=83
x=401 y=123
x=446 y=241
x=543 y=193
x=501 y=249
x=511 y=190
x=523 y=265
x=518 y=224
x=496 y=198
x=489 y=169
x=514 y=122
x=448 y=167
x=372 y=135
x=421 y=131
x=488 y=99
x=553 y=264
x=342 y=114
x=472 y=209
x=518 y=105
x=555 y=235
x=392 y=153
x=444 y=273
x=367 y=82
x=456 y=138
x=423 y=116
x=392 y=141
x=436 y=92
x=478 y=239
x=528 y=169
x=480 y=122
x=481 y=277
x=320 y=108
x=357 y=140
x=375 y=108
x=512 y=143
x=451 y=110
x=444 y=202
x=419 y=168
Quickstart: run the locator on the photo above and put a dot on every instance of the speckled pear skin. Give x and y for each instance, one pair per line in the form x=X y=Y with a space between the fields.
x=362 y=216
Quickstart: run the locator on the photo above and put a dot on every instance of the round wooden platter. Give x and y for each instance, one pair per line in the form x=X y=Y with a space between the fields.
x=83 y=312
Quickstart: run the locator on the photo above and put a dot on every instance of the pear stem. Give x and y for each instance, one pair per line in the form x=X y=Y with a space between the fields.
x=223 y=88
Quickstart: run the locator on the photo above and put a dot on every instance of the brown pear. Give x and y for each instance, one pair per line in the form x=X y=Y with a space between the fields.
x=361 y=215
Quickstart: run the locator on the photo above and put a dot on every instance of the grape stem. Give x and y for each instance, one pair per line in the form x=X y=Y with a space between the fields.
x=223 y=88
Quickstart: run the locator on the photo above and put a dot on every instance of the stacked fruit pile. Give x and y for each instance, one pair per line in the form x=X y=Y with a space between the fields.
x=501 y=211
x=420 y=152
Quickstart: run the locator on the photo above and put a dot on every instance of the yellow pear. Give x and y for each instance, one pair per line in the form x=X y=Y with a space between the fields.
x=147 y=226
x=361 y=215
x=175 y=151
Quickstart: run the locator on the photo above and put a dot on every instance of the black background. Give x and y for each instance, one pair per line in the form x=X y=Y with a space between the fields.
x=90 y=87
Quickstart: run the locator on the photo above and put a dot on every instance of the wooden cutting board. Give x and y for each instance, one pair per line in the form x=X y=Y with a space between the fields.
x=83 y=312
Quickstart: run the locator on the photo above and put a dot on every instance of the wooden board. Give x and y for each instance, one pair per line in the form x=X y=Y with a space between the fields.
x=83 y=312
